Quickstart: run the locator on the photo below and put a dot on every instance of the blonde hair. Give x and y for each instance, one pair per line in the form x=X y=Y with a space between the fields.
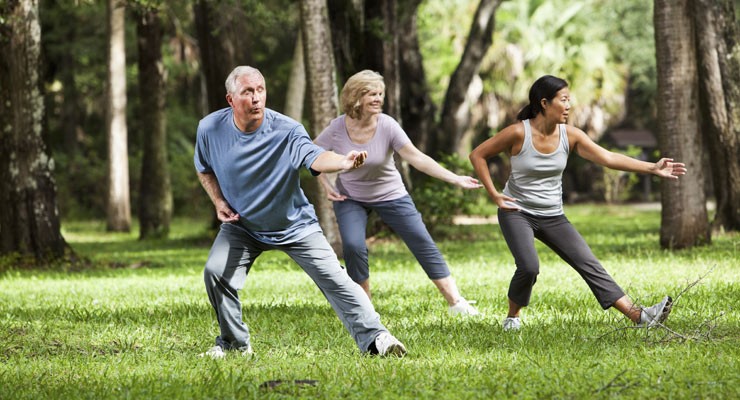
x=238 y=72
x=356 y=87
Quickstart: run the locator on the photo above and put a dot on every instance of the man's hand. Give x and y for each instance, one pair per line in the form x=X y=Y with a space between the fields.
x=355 y=159
x=225 y=214
x=330 y=161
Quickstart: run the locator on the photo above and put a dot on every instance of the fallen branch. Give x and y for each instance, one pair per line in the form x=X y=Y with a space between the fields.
x=702 y=332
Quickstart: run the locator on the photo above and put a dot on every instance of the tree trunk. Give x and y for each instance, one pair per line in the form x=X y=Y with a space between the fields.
x=684 y=220
x=219 y=27
x=155 y=197
x=29 y=219
x=223 y=44
x=455 y=117
x=417 y=108
x=347 y=20
x=719 y=83
x=381 y=44
x=118 y=208
x=323 y=94
x=296 y=95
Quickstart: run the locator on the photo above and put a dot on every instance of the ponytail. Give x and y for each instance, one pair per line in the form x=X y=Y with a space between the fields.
x=525 y=113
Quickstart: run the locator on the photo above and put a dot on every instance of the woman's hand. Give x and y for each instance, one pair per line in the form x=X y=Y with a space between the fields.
x=666 y=168
x=506 y=203
x=466 y=182
x=331 y=192
x=333 y=195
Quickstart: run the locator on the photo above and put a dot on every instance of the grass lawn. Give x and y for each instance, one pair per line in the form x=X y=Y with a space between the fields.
x=132 y=323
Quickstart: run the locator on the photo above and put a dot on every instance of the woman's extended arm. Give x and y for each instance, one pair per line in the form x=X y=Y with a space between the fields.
x=427 y=165
x=588 y=149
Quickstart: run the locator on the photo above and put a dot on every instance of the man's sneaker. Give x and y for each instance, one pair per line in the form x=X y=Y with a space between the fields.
x=388 y=345
x=217 y=352
x=246 y=351
x=656 y=314
x=463 y=307
x=512 y=324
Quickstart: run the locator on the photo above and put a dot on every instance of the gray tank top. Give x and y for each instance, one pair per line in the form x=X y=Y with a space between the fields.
x=536 y=179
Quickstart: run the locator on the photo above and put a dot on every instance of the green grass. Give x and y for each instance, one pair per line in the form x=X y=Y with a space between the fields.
x=131 y=323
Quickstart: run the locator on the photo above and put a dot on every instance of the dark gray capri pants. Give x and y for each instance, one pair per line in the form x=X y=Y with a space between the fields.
x=520 y=229
x=403 y=218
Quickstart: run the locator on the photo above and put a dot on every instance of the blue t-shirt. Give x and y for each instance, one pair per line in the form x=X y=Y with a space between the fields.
x=258 y=173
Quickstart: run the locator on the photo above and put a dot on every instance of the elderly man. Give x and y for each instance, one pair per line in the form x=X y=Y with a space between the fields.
x=248 y=159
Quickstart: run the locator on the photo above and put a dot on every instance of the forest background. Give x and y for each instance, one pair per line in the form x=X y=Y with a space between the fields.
x=99 y=103
x=122 y=99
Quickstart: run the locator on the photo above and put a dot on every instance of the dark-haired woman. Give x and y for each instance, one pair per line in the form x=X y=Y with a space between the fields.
x=530 y=206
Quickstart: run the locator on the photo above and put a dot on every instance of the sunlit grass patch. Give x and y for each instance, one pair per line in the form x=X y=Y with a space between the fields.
x=132 y=325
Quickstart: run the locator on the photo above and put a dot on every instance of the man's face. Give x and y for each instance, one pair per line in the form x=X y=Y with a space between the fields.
x=248 y=101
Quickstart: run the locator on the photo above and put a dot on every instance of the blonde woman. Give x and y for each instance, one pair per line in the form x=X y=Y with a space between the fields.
x=377 y=186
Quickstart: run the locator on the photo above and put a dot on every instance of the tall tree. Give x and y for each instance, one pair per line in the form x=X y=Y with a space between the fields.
x=684 y=221
x=347 y=21
x=455 y=117
x=220 y=31
x=155 y=197
x=417 y=108
x=296 y=93
x=29 y=220
x=323 y=94
x=382 y=49
x=118 y=208
x=718 y=54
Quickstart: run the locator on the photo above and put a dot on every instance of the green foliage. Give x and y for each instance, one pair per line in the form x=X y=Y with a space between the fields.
x=132 y=325
x=439 y=201
x=81 y=185
x=617 y=185
x=631 y=42
x=443 y=27
x=555 y=37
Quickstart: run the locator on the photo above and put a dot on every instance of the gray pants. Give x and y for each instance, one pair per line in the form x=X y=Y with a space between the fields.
x=403 y=218
x=232 y=255
x=520 y=230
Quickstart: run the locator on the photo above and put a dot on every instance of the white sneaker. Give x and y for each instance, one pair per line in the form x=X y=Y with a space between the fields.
x=217 y=352
x=512 y=324
x=246 y=351
x=656 y=314
x=463 y=307
x=388 y=345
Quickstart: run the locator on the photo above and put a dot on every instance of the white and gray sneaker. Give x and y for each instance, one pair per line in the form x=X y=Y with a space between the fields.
x=217 y=352
x=388 y=345
x=657 y=314
x=512 y=324
x=463 y=307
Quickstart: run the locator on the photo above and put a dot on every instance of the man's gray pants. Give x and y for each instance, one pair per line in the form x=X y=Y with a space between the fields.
x=231 y=257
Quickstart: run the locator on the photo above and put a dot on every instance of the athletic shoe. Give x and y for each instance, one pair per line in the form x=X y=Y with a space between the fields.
x=217 y=352
x=388 y=345
x=512 y=324
x=656 y=314
x=463 y=307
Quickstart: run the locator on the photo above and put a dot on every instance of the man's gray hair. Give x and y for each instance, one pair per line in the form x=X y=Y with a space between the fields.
x=238 y=72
